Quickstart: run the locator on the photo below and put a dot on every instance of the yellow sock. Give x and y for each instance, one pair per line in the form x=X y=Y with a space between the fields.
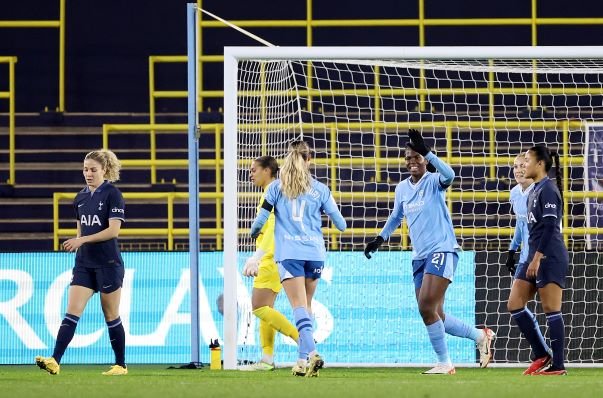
x=277 y=321
x=267 y=333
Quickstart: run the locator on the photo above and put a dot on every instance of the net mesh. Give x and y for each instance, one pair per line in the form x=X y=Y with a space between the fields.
x=477 y=115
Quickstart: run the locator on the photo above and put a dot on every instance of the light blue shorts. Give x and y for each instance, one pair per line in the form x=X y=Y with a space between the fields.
x=288 y=269
x=442 y=264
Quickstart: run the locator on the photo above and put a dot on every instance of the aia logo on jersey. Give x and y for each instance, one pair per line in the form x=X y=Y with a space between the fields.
x=87 y=219
x=550 y=206
x=531 y=218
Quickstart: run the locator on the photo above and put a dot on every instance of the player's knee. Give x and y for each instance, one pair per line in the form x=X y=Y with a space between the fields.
x=427 y=309
x=513 y=305
x=548 y=307
x=110 y=314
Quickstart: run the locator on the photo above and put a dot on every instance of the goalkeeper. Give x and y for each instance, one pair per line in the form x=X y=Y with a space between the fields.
x=261 y=265
x=421 y=199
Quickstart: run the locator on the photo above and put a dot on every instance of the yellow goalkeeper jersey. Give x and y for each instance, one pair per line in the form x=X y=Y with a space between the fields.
x=266 y=239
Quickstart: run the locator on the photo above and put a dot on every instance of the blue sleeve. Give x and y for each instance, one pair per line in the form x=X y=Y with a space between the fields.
x=259 y=221
x=547 y=232
x=550 y=202
x=446 y=172
x=551 y=209
x=267 y=206
x=75 y=209
x=395 y=218
x=517 y=237
x=117 y=206
x=330 y=208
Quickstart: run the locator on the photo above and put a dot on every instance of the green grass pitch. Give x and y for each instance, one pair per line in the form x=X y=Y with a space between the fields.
x=156 y=381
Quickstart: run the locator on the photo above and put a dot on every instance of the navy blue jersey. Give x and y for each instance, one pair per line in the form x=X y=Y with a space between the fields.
x=545 y=210
x=93 y=211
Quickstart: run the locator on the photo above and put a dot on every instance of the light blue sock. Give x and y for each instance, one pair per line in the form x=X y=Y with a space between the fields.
x=437 y=336
x=458 y=328
x=304 y=326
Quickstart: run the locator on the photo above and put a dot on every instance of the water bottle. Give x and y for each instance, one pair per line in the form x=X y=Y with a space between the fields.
x=215 y=358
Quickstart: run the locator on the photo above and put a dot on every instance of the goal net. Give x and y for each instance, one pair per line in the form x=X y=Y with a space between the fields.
x=354 y=107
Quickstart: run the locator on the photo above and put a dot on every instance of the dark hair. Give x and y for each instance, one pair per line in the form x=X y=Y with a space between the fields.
x=431 y=168
x=542 y=153
x=268 y=162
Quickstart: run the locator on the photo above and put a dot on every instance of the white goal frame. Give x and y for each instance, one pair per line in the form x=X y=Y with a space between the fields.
x=232 y=55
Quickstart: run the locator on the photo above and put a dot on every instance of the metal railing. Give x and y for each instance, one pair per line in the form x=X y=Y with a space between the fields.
x=10 y=95
x=309 y=24
x=170 y=232
x=57 y=24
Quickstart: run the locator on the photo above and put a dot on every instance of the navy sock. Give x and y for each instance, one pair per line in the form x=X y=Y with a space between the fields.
x=117 y=335
x=557 y=335
x=65 y=335
x=531 y=331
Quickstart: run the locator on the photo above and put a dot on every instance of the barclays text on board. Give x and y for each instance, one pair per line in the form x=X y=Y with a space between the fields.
x=365 y=311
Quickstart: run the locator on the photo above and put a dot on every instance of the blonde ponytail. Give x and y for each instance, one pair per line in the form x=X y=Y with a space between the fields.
x=295 y=175
x=108 y=161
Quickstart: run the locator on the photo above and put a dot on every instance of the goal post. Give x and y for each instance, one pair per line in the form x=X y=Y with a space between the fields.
x=478 y=107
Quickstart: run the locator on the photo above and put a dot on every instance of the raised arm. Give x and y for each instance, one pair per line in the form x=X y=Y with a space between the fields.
x=446 y=172
x=418 y=145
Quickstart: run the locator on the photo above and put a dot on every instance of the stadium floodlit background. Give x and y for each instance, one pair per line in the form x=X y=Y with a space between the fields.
x=76 y=76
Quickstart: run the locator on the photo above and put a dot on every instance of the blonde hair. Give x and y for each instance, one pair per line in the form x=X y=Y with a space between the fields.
x=295 y=175
x=108 y=162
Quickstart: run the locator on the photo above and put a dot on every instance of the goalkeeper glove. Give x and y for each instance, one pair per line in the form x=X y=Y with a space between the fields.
x=373 y=246
x=416 y=143
x=511 y=262
x=253 y=263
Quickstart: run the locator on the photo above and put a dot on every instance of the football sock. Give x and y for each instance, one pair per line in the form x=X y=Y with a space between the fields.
x=456 y=327
x=117 y=336
x=437 y=336
x=304 y=326
x=557 y=335
x=267 y=334
x=65 y=335
x=531 y=331
x=277 y=321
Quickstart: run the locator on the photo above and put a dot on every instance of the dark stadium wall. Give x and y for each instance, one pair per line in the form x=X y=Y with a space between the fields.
x=108 y=43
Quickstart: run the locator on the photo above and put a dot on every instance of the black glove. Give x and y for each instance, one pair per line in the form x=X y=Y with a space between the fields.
x=511 y=262
x=416 y=142
x=372 y=246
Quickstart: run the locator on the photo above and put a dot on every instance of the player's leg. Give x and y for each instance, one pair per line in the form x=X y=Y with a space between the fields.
x=483 y=338
x=437 y=275
x=522 y=291
x=293 y=279
x=313 y=272
x=551 y=297
x=432 y=291
x=81 y=289
x=112 y=280
x=266 y=286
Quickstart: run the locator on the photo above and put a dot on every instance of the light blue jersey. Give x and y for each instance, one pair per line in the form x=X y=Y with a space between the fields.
x=519 y=202
x=424 y=205
x=298 y=228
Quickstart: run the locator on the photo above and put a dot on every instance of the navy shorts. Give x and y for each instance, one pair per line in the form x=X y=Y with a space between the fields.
x=104 y=280
x=442 y=264
x=548 y=272
x=288 y=269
